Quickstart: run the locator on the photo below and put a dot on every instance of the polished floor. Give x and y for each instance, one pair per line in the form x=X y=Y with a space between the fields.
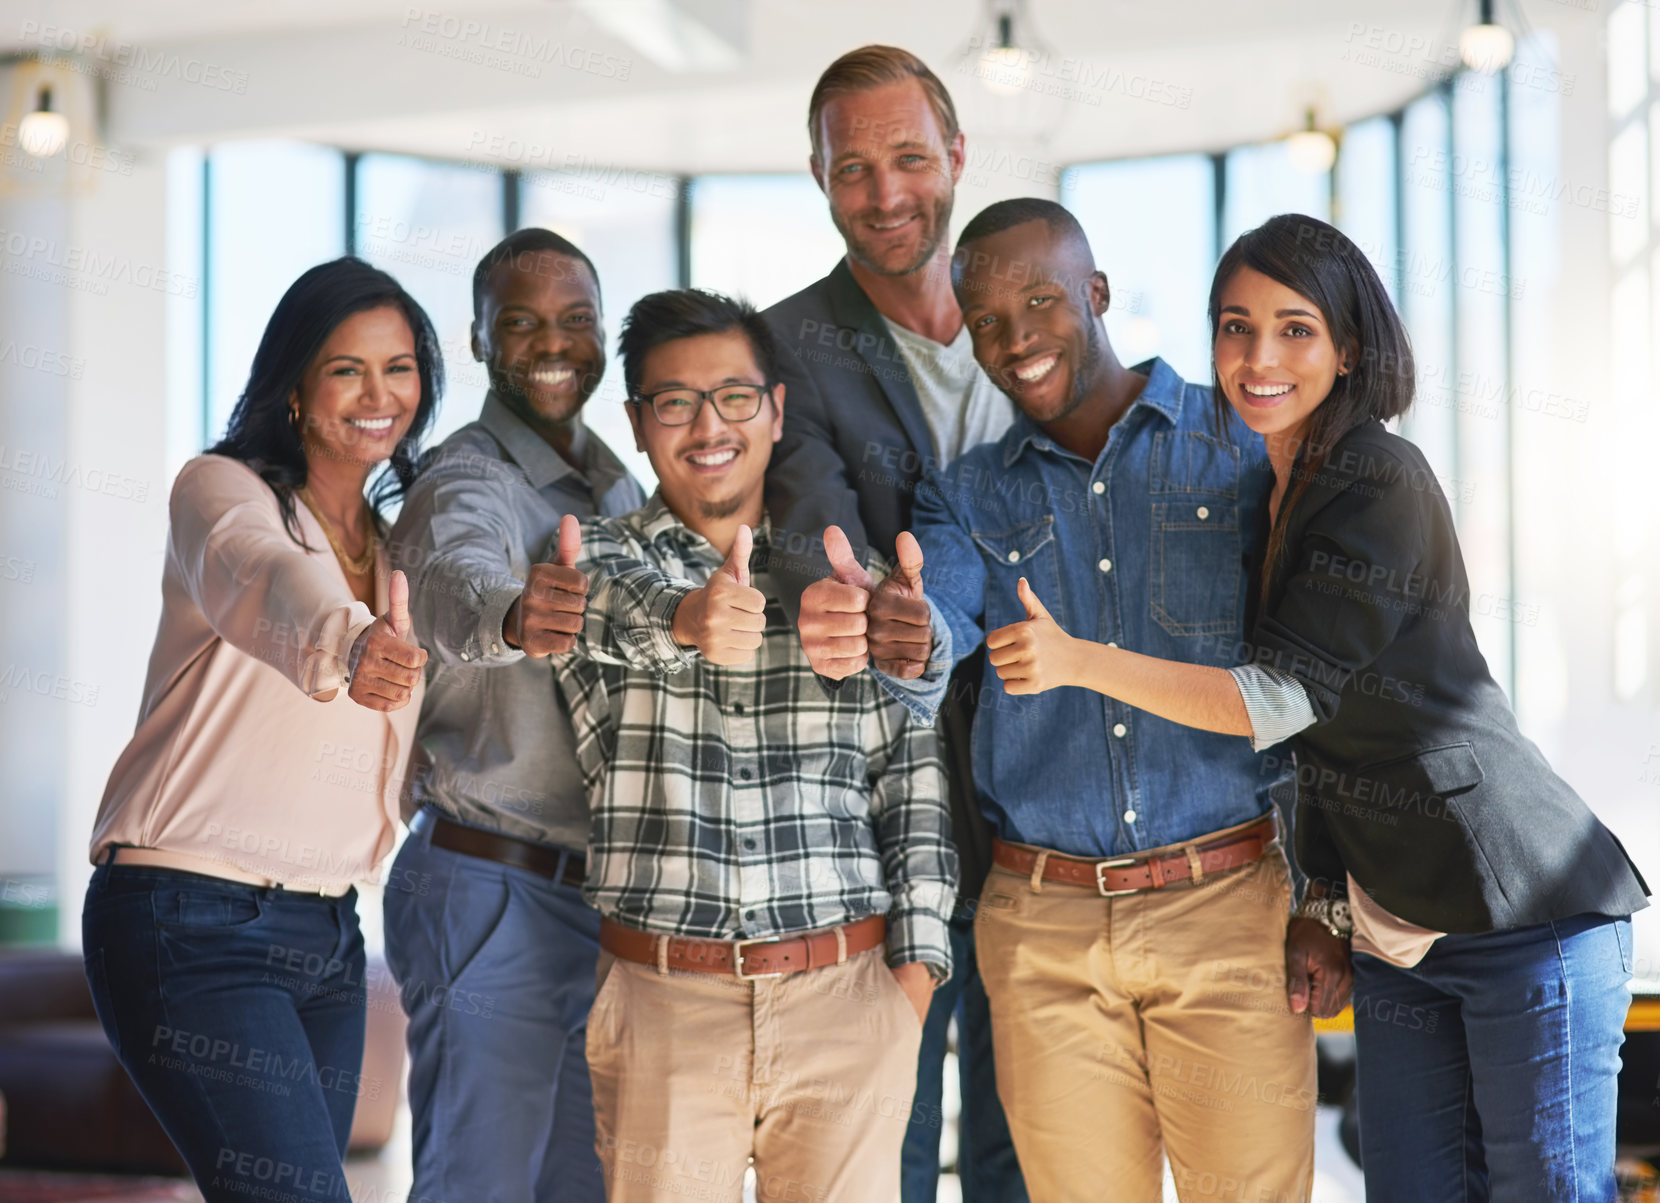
x=385 y=1178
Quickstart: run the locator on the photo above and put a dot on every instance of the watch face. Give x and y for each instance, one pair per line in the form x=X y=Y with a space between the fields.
x=1340 y=912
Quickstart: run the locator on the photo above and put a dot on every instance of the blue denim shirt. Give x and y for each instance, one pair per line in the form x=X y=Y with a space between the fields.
x=1146 y=548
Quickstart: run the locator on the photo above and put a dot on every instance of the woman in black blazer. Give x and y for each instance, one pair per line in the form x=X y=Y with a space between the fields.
x=1489 y=909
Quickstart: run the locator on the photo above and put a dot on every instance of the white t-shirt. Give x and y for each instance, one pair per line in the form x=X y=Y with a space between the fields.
x=963 y=407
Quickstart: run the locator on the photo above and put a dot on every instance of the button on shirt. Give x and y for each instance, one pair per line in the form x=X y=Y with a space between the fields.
x=495 y=747
x=1145 y=548
x=744 y=800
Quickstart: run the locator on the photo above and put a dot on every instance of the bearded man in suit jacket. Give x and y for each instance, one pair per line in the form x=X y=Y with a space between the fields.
x=883 y=385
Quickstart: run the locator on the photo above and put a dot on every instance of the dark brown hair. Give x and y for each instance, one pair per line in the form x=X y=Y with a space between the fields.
x=259 y=432
x=871 y=67
x=1320 y=263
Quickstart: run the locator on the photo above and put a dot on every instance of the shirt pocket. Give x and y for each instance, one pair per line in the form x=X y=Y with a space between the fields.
x=1026 y=550
x=1196 y=570
x=1196 y=567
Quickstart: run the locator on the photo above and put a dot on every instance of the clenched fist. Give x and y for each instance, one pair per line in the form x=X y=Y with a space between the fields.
x=900 y=637
x=547 y=616
x=833 y=623
x=724 y=619
x=388 y=661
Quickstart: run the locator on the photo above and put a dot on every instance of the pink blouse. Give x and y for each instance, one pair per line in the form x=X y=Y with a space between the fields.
x=236 y=758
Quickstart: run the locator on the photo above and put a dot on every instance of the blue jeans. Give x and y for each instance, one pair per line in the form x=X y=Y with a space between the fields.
x=496 y=966
x=1490 y=1069
x=239 y=1013
x=985 y=1153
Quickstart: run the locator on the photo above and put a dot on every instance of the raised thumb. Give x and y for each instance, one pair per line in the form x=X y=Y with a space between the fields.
x=397 y=605
x=1034 y=608
x=909 y=553
x=843 y=564
x=737 y=561
x=570 y=541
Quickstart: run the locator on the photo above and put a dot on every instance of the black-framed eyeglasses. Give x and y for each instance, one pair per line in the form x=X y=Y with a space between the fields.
x=681 y=406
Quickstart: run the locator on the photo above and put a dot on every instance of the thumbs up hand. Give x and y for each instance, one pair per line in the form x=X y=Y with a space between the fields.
x=724 y=619
x=1034 y=655
x=388 y=662
x=900 y=637
x=832 y=622
x=547 y=616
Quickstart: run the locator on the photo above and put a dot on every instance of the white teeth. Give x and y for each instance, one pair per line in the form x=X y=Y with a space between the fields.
x=553 y=377
x=714 y=458
x=373 y=424
x=1268 y=390
x=886 y=226
x=1034 y=372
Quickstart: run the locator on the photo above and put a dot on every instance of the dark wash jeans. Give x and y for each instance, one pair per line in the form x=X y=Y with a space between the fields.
x=239 y=1012
x=1490 y=1069
x=986 y=1162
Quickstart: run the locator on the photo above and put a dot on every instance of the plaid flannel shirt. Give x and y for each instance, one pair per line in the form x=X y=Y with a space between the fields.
x=744 y=801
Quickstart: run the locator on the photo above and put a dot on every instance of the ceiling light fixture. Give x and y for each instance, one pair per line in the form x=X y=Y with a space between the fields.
x=43 y=133
x=1311 y=149
x=1486 y=46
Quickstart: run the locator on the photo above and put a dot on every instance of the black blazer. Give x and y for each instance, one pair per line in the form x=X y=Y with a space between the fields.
x=855 y=446
x=1415 y=778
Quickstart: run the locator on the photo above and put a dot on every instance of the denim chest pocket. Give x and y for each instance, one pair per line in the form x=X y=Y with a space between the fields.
x=1195 y=561
x=1196 y=567
x=1026 y=550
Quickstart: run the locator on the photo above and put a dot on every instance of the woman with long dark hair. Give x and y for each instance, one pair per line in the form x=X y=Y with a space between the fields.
x=1488 y=908
x=220 y=929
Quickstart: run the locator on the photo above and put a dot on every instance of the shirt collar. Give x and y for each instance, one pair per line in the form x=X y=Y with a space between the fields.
x=1162 y=393
x=541 y=463
x=655 y=519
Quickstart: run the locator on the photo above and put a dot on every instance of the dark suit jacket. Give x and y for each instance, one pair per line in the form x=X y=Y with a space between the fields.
x=1415 y=778
x=855 y=445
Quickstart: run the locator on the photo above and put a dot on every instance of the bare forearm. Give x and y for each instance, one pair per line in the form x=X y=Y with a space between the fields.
x=1194 y=695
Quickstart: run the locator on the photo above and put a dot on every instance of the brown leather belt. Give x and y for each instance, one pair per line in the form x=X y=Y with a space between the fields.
x=541 y=859
x=744 y=959
x=1150 y=870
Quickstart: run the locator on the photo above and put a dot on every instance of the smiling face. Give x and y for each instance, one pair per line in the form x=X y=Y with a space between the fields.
x=358 y=397
x=888 y=173
x=539 y=337
x=710 y=468
x=1275 y=357
x=1032 y=301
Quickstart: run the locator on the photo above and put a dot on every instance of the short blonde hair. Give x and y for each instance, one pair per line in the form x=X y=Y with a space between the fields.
x=871 y=67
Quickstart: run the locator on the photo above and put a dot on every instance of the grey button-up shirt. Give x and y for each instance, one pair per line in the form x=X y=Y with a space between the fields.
x=494 y=746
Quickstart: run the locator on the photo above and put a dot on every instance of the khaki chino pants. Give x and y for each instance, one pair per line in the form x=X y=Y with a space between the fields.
x=695 y=1074
x=1154 y=1024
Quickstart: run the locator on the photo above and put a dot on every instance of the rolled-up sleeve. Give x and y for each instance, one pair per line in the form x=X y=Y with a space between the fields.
x=629 y=619
x=954 y=582
x=259 y=590
x=919 y=859
x=1355 y=579
x=1275 y=702
x=457 y=542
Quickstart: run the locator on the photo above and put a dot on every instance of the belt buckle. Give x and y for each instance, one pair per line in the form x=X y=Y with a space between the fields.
x=738 y=960
x=1101 y=867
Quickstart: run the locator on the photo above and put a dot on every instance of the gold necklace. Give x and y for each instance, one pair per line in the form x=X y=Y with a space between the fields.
x=364 y=563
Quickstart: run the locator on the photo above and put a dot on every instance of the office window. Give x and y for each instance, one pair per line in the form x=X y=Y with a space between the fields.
x=428 y=224
x=760 y=236
x=1425 y=270
x=1262 y=181
x=274 y=209
x=625 y=222
x=1366 y=194
x=1151 y=225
